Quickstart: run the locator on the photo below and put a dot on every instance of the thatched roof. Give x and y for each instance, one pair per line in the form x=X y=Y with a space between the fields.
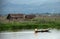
x=29 y=16
x=20 y=16
x=16 y=15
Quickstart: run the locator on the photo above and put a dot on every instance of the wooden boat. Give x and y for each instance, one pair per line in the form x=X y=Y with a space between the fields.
x=42 y=30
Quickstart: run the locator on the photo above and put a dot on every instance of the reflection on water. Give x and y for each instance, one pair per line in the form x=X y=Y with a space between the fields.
x=54 y=34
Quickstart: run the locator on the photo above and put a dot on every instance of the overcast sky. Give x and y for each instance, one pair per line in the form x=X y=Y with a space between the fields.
x=29 y=6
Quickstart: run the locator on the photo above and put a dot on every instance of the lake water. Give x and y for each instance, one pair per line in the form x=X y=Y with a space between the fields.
x=53 y=34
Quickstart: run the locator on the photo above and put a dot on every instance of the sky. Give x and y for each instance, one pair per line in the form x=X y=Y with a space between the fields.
x=29 y=6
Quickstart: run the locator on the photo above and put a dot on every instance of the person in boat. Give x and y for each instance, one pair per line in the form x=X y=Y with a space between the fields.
x=36 y=30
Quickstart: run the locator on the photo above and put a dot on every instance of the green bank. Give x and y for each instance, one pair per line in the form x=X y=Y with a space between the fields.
x=15 y=26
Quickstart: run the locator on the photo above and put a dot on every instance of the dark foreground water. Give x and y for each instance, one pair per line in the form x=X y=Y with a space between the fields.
x=53 y=34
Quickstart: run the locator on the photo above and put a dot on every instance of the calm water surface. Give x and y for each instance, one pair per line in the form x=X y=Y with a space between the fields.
x=53 y=34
